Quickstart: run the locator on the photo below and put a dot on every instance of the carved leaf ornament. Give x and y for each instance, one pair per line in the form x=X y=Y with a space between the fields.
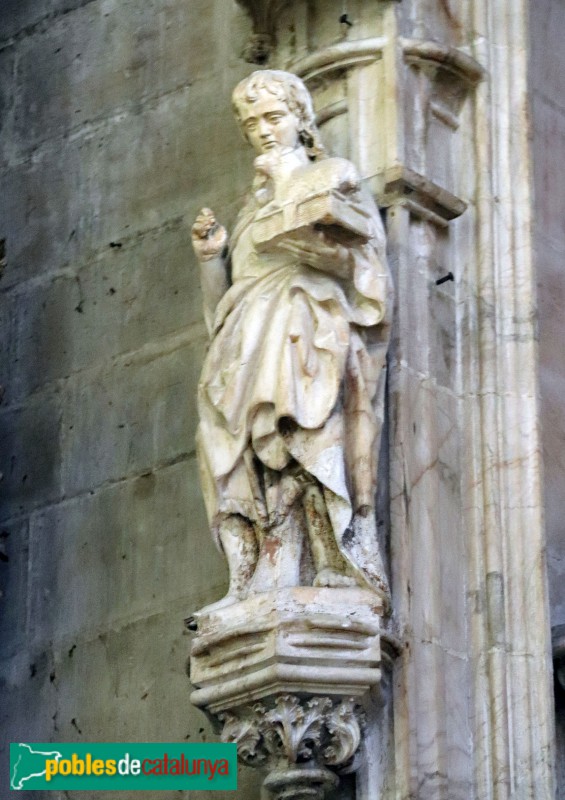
x=296 y=730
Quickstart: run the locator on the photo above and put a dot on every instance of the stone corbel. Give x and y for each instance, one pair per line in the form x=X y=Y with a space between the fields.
x=424 y=199
x=284 y=674
x=264 y=14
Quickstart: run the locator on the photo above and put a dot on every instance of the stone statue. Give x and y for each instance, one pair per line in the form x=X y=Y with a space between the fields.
x=290 y=398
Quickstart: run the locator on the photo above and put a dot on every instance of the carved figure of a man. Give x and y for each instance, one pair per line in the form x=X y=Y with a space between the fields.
x=291 y=393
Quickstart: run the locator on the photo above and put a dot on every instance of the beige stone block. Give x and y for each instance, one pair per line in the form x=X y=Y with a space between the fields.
x=156 y=166
x=30 y=454
x=28 y=707
x=130 y=416
x=308 y=640
x=135 y=295
x=43 y=211
x=111 y=56
x=24 y=15
x=14 y=570
x=127 y=298
x=125 y=176
x=151 y=694
x=39 y=336
x=140 y=545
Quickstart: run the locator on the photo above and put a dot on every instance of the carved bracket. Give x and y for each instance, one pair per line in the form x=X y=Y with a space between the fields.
x=423 y=198
x=301 y=741
x=264 y=14
x=283 y=673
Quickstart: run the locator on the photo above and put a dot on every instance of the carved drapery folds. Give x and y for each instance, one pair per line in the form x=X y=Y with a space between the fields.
x=464 y=475
x=291 y=406
x=284 y=666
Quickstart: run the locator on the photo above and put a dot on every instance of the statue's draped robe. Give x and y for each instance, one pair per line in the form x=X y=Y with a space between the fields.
x=293 y=385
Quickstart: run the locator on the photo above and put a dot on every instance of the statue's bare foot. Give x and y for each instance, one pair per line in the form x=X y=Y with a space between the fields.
x=228 y=600
x=329 y=577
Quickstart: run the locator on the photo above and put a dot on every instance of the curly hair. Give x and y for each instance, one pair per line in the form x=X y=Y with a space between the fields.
x=290 y=89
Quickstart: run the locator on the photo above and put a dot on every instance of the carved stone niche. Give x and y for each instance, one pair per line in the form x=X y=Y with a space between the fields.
x=450 y=76
x=283 y=674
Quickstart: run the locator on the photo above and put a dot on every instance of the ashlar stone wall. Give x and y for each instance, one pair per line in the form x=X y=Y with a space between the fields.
x=115 y=129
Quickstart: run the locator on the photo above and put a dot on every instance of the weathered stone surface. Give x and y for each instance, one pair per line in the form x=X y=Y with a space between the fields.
x=110 y=137
x=164 y=176
x=38 y=345
x=7 y=97
x=132 y=563
x=22 y=17
x=131 y=418
x=26 y=684
x=30 y=456
x=127 y=298
x=69 y=77
x=73 y=684
x=42 y=208
x=62 y=207
x=14 y=579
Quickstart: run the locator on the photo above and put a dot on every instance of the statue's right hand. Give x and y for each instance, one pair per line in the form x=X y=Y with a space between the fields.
x=209 y=238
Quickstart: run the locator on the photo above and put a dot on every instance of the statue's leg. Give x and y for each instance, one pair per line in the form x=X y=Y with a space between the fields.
x=280 y=555
x=331 y=567
x=367 y=551
x=239 y=543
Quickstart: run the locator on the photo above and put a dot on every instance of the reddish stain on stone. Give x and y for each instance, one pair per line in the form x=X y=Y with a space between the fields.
x=271 y=547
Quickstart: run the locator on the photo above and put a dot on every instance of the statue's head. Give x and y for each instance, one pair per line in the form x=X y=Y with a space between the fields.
x=274 y=109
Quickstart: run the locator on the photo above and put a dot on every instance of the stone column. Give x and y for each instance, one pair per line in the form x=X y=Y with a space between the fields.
x=509 y=629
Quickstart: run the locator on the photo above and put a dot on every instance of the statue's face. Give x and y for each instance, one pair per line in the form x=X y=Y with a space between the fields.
x=269 y=123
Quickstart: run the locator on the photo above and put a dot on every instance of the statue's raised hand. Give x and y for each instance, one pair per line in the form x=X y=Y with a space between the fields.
x=209 y=238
